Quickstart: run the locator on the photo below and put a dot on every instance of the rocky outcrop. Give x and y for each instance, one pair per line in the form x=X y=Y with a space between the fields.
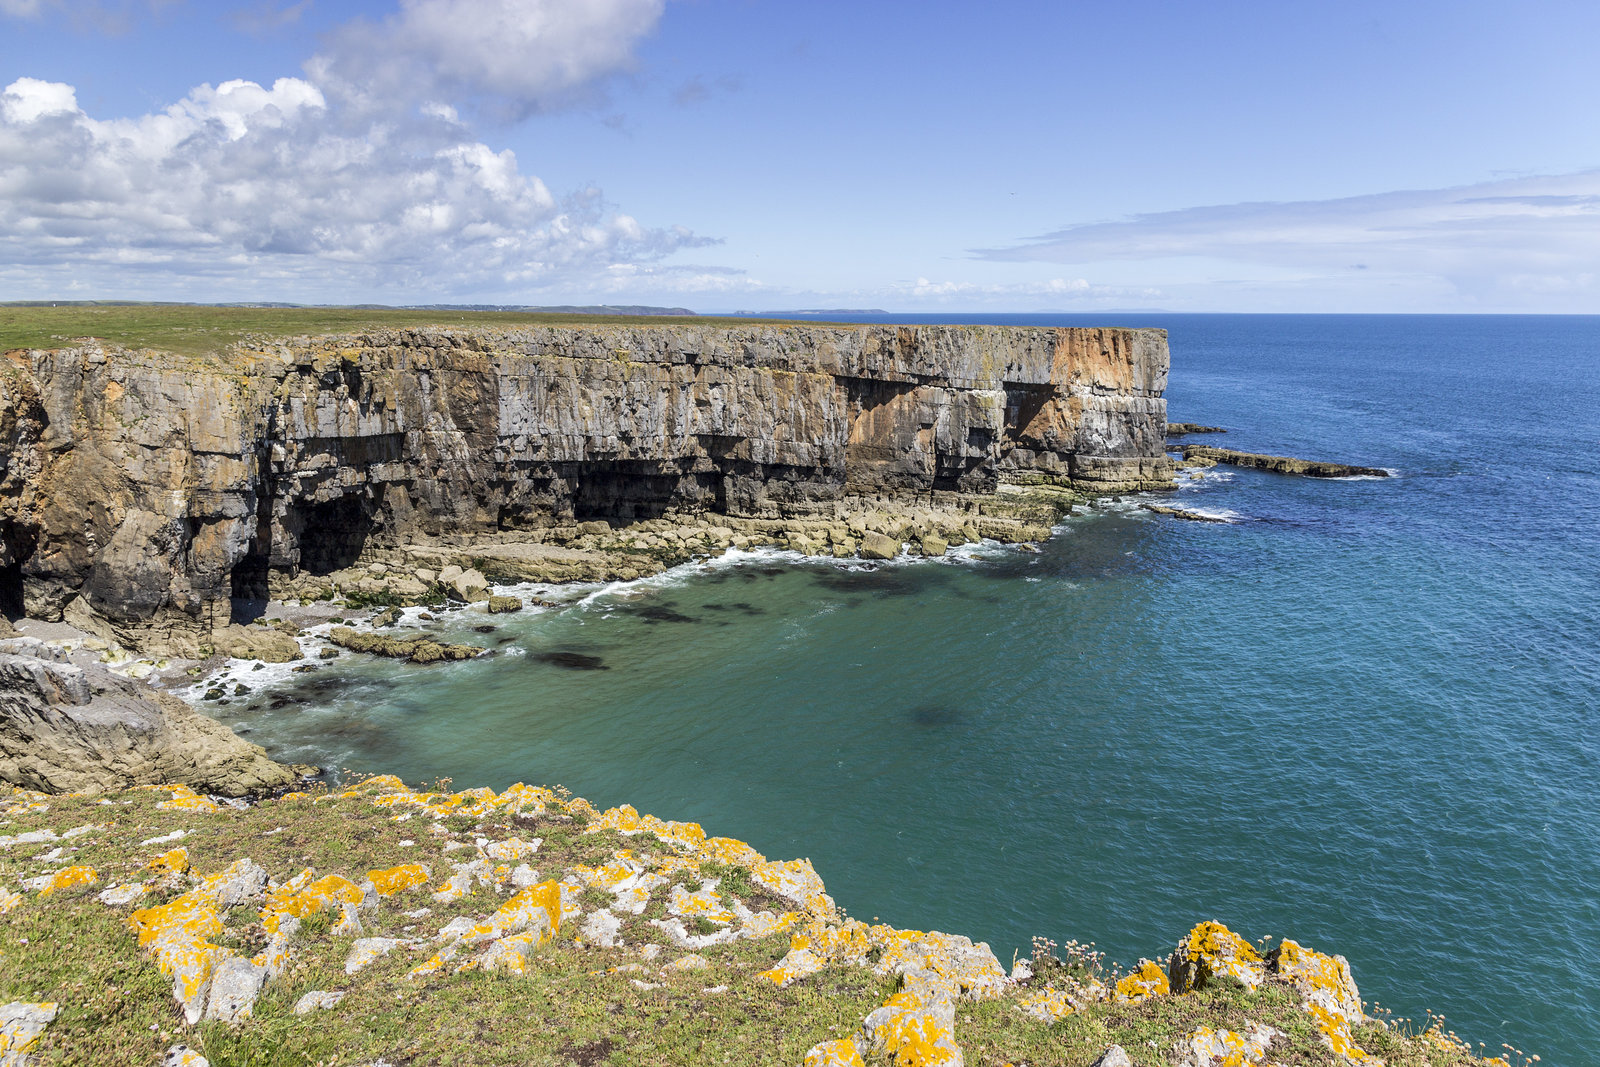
x=1183 y=429
x=1280 y=464
x=68 y=728
x=142 y=494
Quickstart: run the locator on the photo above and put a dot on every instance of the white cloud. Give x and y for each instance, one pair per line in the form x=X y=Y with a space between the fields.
x=513 y=57
x=1490 y=244
x=309 y=189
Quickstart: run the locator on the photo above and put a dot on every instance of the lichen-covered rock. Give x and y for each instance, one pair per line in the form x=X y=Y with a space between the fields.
x=834 y=1054
x=1207 y=1047
x=21 y=1024
x=1212 y=951
x=915 y=1028
x=1114 y=1056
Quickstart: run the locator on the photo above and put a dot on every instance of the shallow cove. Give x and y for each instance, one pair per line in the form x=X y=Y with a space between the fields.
x=1364 y=714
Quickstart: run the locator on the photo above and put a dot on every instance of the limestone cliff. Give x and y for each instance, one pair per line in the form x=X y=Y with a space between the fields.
x=141 y=492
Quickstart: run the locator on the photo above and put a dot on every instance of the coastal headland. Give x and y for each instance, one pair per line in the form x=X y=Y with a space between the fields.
x=153 y=497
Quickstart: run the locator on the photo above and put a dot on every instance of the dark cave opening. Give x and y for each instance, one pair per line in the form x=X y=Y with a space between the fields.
x=11 y=600
x=629 y=490
x=331 y=534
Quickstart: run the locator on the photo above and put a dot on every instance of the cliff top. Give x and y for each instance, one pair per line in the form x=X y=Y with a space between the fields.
x=194 y=330
x=382 y=924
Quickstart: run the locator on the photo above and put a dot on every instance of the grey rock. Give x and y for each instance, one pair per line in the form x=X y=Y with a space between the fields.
x=65 y=728
x=1114 y=1056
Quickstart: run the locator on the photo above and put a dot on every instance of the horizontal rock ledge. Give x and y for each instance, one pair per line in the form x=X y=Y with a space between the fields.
x=1281 y=464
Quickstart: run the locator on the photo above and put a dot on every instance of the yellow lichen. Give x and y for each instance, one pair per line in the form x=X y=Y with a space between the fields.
x=1150 y=980
x=185 y=799
x=68 y=877
x=388 y=882
x=173 y=862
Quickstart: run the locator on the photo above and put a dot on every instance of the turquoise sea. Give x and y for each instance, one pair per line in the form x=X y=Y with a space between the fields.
x=1364 y=713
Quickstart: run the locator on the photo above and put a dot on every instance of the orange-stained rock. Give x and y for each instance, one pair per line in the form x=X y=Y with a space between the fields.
x=1213 y=951
x=392 y=880
x=1146 y=982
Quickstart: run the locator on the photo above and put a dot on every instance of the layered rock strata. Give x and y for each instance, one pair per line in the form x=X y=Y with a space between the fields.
x=144 y=495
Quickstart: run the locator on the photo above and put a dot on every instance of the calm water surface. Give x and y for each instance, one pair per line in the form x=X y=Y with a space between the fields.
x=1365 y=714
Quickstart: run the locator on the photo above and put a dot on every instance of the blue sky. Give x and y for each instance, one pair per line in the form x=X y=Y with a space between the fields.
x=725 y=154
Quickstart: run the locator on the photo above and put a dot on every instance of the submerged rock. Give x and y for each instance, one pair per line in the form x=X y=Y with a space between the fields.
x=1183 y=513
x=418 y=649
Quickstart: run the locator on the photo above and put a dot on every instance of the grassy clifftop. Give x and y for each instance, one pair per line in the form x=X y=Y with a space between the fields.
x=379 y=924
x=193 y=330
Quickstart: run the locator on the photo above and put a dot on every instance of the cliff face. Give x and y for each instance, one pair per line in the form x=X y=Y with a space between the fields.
x=141 y=491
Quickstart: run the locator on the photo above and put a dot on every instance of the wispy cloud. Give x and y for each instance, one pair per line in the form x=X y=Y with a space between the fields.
x=323 y=185
x=1487 y=242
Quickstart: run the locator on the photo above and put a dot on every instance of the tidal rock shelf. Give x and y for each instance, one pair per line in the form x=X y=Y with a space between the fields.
x=374 y=923
x=1279 y=464
x=150 y=498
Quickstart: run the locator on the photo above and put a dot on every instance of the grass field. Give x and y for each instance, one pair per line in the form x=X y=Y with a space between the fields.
x=192 y=329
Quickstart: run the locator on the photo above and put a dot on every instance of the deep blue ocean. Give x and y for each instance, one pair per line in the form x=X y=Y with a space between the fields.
x=1364 y=713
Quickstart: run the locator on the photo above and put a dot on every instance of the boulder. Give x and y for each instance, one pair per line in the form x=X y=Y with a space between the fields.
x=1114 y=1056
x=264 y=643
x=879 y=546
x=504 y=605
x=470 y=586
x=934 y=545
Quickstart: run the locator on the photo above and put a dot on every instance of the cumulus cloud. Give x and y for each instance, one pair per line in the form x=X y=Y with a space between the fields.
x=511 y=58
x=301 y=190
x=1483 y=241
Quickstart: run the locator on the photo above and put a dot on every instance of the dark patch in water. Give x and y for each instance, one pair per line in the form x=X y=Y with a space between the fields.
x=885 y=582
x=572 y=661
x=932 y=716
x=484 y=629
x=656 y=613
x=738 y=605
x=504 y=641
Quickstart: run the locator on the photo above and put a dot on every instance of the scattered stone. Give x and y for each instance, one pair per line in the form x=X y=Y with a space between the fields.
x=183 y=1056
x=328 y=653
x=363 y=952
x=317 y=1000
x=386 y=618
x=1114 y=1056
x=504 y=605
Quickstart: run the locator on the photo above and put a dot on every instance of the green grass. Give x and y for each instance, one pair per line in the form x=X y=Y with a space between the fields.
x=193 y=330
